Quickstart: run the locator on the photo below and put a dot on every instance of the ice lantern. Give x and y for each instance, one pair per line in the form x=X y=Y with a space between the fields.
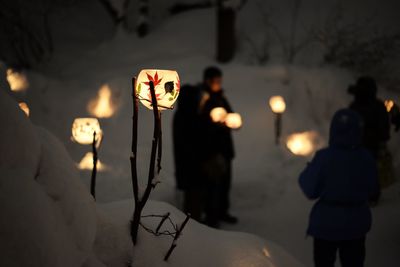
x=83 y=130
x=166 y=85
x=277 y=104
x=218 y=114
x=233 y=120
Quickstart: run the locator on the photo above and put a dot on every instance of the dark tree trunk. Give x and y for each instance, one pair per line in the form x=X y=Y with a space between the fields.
x=226 y=39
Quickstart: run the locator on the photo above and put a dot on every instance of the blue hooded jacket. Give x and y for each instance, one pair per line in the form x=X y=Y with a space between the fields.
x=342 y=178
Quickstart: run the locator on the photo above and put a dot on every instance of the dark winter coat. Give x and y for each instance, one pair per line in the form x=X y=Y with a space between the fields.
x=341 y=178
x=376 y=122
x=186 y=136
x=217 y=139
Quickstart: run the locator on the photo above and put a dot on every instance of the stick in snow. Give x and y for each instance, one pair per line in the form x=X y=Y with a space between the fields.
x=94 y=170
x=177 y=235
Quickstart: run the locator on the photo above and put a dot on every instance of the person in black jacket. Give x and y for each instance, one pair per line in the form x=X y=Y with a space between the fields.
x=376 y=125
x=186 y=135
x=217 y=150
x=373 y=112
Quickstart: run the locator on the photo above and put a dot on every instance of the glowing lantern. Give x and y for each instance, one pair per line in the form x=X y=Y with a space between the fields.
x=389 y=105
x=166 y=84
x=302 y=144
x=102 y=106
x=218 y=114
x=233 y=120
x=83 y=130
x=277 y=104
x=24 y=107
x=86 y=163
x=17 y=80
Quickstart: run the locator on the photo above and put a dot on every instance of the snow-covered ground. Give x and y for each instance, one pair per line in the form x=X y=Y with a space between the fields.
x=265 y=194
x=49 y=219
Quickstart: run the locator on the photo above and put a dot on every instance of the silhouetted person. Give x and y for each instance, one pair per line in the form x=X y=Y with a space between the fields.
x=186 y=136
x=218 y=151
x=395 y=117
x=341 y=178
x=373 y=112
x=376 y=125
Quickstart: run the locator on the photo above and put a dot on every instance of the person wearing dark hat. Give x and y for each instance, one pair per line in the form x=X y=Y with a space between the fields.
x=373 y=112
x=376 y=125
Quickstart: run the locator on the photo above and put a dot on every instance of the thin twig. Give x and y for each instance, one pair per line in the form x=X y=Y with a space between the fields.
x=94 y=170
x=135 y=184
x=165 y=232
x=140 y=202
x=177 y=235
x=165 y=217
x=133 y=158
x=162 y=216
x=159 y=154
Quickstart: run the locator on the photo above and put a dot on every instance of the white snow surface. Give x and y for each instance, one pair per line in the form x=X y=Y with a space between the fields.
x=199 y=245
x=265 y=192
x=48 y=217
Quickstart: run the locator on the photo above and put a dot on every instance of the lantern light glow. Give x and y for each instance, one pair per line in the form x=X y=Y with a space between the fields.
x=218 y=114
x=102 y=106
x=277 y=104
x=166 y=85
x=233 y=120
x=83 y=130
x=17 y=80
x=389 y=104
x=302 y=144
x=86 y=163
x=24 y=107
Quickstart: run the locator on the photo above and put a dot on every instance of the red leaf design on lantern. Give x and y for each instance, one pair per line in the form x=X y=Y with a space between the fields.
x=156 y=81
x=178 y=84
x=157 y=96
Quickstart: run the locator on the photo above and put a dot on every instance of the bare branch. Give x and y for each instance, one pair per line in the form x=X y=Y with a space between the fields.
x=177 y=235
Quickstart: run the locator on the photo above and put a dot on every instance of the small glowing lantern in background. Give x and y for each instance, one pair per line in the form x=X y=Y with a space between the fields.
x=83 y=130
x=17 y=80
x=87 y=131
x=102 y=106
x=389 y=104
x=278 y=107
x=303 y=144
x=166 y=85
x=394 y=113
x=233 y=120
x=277 y=104
x=24 y=107
x=86 y=163
x=218 y=114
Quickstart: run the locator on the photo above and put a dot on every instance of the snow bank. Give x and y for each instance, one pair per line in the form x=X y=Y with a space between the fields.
x=48 y=217
x=199 y=245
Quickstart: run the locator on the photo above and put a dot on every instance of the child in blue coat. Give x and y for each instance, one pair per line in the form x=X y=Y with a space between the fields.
x=341 y=178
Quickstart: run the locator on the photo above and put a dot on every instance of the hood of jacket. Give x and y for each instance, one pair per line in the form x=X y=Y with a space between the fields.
x=346 y=129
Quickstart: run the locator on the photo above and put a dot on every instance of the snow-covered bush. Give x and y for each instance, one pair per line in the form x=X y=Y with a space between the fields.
x=47 y=216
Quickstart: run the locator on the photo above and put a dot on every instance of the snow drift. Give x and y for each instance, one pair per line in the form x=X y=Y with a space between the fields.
x=48 y=217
